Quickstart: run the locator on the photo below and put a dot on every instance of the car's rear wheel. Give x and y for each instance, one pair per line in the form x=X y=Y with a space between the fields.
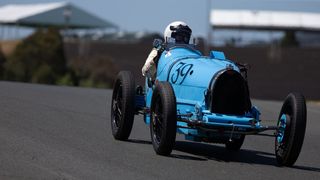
x=291 y=129
x=122 y=105
x=163 y=123
x=235 y=143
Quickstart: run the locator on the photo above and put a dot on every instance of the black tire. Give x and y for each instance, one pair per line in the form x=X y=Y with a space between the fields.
x=163 y=118
x=235 y=144
x=122 y=105
x=291 y=129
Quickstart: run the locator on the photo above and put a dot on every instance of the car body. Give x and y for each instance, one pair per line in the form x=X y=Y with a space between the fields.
x=196 y=83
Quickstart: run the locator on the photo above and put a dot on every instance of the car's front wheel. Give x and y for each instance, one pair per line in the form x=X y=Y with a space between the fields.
x=163 y=122
x=291 y=129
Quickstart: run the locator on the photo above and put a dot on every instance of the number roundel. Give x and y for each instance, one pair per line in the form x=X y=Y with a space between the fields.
x=180 y=72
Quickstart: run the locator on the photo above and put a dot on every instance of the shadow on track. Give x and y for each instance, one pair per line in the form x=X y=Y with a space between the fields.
x=137 y=141
x=306 y=168
x=203 y=152
x=219 y=153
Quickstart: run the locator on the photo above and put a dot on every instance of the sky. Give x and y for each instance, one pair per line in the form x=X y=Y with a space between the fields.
x=155 y=15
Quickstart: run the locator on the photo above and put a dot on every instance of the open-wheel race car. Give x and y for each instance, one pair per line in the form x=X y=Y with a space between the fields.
x=206 y=98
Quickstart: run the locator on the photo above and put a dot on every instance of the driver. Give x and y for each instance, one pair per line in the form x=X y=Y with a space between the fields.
x=177 y=32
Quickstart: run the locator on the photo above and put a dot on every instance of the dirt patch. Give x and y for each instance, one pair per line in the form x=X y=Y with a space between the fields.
x=8 y=47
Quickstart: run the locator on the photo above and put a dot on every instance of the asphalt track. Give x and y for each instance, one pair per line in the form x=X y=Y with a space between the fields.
x=51 y=132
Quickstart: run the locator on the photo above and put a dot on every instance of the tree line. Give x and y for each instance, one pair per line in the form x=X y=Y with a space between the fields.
x=40 y=58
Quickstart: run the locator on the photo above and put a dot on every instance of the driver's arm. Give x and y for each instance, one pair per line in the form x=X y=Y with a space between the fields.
x=149 y=69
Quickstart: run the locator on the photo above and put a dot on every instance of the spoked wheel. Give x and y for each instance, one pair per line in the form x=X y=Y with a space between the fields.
x=122 y=105
x=163 y=122
x=291 y=129
x=235 y=144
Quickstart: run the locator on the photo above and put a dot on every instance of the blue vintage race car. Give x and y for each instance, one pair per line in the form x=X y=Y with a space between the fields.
x=206 y=98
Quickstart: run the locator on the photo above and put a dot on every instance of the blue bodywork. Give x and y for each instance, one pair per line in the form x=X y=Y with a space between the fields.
x=193 y=77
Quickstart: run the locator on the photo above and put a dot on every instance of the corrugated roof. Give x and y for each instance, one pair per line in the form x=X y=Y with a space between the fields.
x=51 y=14
x=14 y=12
x=273 y=20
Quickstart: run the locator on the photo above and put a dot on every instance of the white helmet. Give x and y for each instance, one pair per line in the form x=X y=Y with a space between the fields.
x=177 y=32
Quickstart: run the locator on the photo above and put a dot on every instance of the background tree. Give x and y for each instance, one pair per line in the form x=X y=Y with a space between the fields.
x=39 y=58
x=2 y=61
x=289 y=39
x=96 y=71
